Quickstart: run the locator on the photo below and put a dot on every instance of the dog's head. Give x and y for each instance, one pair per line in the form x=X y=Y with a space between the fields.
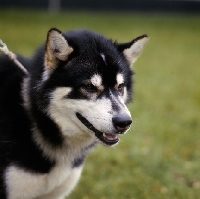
x=88 y=80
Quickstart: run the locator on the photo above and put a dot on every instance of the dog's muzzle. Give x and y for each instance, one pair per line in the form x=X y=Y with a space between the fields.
x=122 y=124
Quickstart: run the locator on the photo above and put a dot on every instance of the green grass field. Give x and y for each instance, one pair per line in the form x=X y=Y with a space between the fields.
x=160 y=156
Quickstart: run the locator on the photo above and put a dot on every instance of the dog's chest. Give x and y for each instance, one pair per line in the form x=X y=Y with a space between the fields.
x=25 y=185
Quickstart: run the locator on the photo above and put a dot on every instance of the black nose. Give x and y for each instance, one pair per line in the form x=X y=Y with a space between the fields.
x=122 y=123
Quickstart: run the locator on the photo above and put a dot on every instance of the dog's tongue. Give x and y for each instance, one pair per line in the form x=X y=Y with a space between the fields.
x=111 y=137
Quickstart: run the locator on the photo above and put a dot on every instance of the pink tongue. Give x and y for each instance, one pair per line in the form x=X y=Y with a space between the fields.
x=111 y=137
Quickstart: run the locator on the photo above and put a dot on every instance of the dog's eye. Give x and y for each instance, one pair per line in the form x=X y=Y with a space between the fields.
x=89 y=88
x=120 y=89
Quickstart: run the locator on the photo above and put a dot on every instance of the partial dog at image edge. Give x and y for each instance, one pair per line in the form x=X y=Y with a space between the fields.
x=72 y=97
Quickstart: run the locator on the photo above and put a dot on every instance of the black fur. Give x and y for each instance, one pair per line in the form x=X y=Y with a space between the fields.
x=17 y=146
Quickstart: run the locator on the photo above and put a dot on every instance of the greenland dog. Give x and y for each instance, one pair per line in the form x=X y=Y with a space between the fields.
x=72 y=98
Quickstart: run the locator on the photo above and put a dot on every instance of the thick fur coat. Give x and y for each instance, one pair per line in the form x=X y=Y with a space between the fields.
x=72 y=98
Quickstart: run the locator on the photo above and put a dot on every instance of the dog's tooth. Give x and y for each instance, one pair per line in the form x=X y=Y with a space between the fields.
x=104 y=135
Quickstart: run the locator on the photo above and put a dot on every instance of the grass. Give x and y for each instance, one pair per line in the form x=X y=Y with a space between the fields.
x=160 y=156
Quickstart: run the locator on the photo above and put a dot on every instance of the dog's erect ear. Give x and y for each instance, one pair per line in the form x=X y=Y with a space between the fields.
x=57 y=48
x=133 y=49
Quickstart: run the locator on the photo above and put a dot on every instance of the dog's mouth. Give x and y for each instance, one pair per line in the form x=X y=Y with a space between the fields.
x=106 y=138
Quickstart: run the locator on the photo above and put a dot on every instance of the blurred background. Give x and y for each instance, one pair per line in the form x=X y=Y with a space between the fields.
x=125 y=5
x=159 y=158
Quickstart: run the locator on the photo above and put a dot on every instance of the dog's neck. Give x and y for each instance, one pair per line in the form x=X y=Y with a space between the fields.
x=70 y=151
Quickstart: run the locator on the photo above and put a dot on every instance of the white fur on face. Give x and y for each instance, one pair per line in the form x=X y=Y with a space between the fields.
x=98 y=112
x=63 y=112
x=104 y=58
x=125 y=96
x=120 y=78
x=96 y=80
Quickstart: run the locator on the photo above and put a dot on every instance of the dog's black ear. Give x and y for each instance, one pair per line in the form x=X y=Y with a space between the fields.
x=133 y=49
x=57 y=48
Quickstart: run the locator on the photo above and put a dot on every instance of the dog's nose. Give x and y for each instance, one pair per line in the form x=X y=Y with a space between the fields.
x=122 y=123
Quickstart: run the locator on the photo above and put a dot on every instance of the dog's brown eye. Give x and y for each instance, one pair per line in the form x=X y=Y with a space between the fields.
x=89 y=88
x=120 y=89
